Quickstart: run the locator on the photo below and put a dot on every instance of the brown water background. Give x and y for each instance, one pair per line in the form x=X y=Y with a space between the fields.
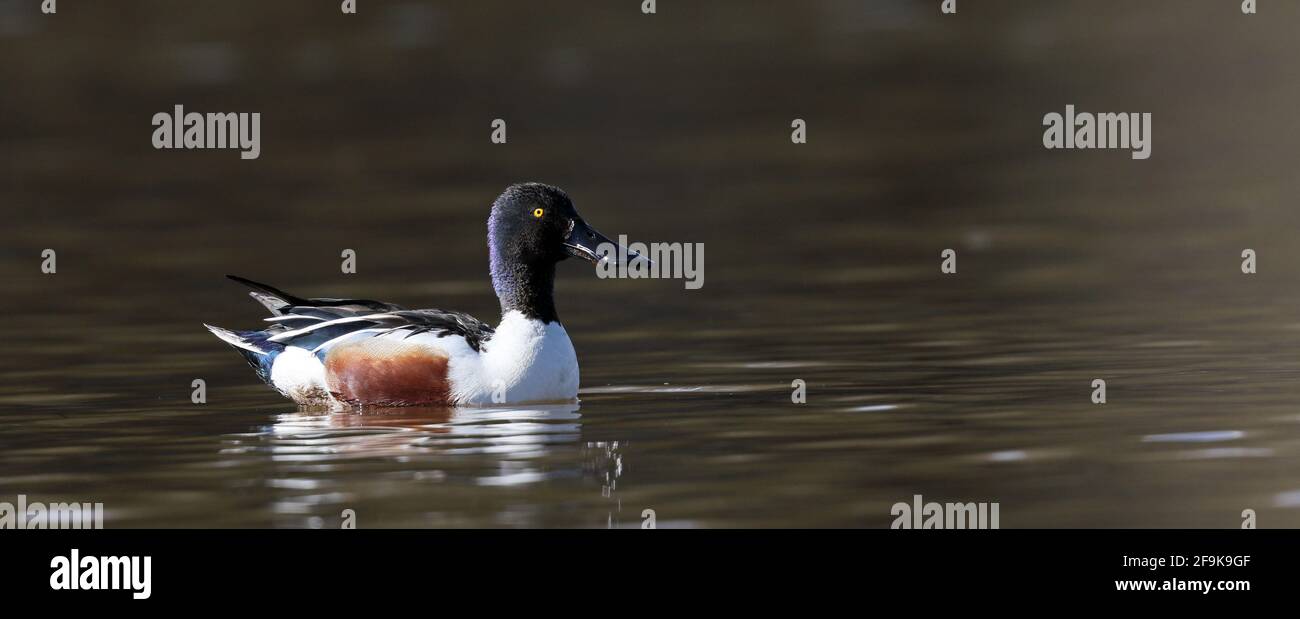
x=822 y=259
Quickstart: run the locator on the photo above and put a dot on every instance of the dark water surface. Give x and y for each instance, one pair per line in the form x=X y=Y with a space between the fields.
x=822 y=261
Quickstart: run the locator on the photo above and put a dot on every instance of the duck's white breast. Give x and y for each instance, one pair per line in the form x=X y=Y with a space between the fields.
x=526 y=360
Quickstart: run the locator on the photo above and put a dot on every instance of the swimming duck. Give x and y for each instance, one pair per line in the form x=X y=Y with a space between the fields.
x=371 y=353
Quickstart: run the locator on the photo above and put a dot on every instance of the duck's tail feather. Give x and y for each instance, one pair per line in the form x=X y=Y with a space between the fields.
x=270 y=297
x=254 y=346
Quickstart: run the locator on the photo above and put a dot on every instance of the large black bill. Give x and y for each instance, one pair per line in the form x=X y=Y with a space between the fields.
x=587 y=243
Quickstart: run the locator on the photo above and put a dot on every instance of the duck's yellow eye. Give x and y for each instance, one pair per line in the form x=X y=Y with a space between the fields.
x=538 y=212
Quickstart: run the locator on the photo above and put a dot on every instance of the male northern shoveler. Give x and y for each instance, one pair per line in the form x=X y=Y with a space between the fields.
x=363 y=352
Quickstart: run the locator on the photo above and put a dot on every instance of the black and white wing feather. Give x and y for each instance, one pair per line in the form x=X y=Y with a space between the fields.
x=317 y=323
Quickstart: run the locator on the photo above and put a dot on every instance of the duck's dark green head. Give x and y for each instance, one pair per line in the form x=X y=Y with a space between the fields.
x=532 y=227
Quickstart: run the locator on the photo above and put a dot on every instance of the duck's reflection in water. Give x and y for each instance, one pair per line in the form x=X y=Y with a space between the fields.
x=322 y=460
x=515 y=431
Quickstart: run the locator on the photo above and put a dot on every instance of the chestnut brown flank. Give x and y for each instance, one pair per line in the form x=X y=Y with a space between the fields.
x=387 y=375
